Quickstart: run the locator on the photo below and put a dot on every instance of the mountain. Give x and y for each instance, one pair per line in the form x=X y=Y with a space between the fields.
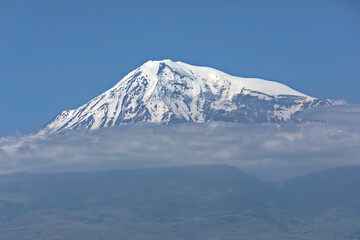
x=167 y=92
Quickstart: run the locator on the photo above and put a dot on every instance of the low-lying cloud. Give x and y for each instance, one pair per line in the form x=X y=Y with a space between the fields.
x=329 y=137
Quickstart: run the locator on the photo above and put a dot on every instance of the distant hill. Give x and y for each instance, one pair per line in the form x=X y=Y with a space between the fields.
x=195 y=202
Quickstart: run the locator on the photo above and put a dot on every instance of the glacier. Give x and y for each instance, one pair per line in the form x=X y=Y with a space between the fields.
x=167 y=92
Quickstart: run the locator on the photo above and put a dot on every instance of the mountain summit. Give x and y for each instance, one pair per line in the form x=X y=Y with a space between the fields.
x=166 y=92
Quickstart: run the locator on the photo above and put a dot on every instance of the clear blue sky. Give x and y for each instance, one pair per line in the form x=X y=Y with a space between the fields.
x=57 y=55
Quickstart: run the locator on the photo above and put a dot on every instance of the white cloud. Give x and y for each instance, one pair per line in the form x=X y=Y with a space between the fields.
x=268 y=151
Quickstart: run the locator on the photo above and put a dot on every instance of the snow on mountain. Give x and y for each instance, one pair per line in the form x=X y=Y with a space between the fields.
x=166 y=92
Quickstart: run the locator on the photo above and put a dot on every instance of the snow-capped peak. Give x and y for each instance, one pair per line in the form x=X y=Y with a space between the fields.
x=214 y=75
x=167 y=92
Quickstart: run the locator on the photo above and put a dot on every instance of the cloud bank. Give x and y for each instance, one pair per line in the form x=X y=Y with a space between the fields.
x=328 y=137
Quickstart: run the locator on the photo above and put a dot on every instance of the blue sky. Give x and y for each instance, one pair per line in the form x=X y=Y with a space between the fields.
x=56 y=55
